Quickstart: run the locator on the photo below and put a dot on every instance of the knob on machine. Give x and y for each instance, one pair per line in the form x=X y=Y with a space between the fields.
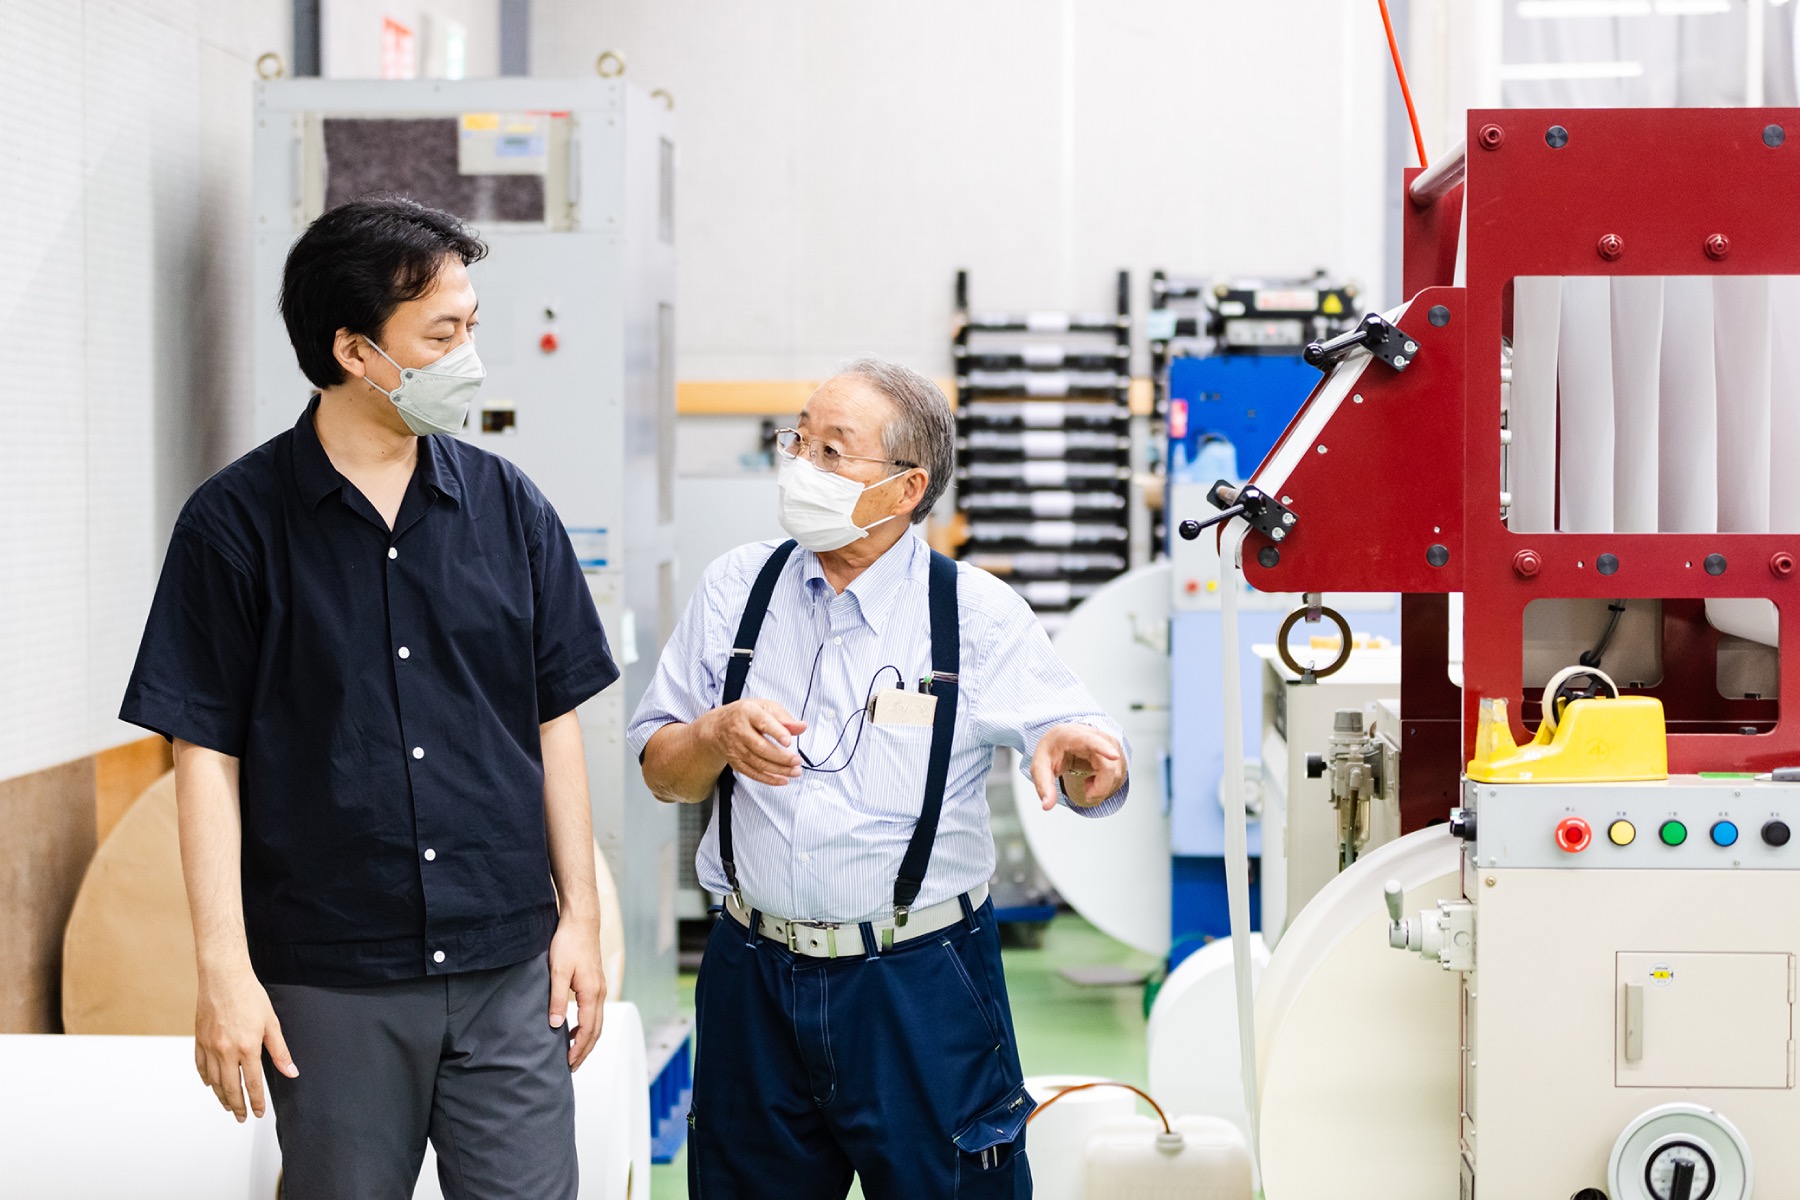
x=1680 y=1152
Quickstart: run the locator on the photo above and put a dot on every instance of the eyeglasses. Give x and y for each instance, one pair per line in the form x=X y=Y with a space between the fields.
x=828 y=458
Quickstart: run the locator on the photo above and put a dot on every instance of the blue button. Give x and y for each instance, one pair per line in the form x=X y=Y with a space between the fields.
x=1724 y=834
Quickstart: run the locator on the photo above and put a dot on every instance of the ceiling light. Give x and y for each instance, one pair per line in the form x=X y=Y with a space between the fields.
x=1694 y=8
x=1539 y=72
x=1568 y=9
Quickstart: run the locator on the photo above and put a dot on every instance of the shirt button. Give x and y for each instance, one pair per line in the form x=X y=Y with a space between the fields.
x=438 y=957
x=837 y=641
x=393 y=553
x=418 y=752
x=430 y=855
x=806 y=858
x=405 y=653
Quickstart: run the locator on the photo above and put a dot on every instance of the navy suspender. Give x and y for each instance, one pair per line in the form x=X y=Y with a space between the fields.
x=743 y=649
x=945 y=654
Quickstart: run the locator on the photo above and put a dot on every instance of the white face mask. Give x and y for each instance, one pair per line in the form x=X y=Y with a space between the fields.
x=435 y=398
x=817 y=506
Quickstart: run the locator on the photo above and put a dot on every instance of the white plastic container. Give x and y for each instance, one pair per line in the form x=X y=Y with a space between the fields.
x=1204 y=1159
x=1056 y=1143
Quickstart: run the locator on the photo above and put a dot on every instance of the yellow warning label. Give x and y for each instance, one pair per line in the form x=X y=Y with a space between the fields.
x=480 y=122
x=1332 y=306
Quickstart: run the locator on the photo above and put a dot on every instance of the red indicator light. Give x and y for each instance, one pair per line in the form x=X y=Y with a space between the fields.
x=547 y=343
x=1573 y=834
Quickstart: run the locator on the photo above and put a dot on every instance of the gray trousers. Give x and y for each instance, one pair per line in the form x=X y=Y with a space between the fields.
x=468 y=1061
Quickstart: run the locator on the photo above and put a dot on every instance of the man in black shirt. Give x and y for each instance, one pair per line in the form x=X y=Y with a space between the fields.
x=368 y=644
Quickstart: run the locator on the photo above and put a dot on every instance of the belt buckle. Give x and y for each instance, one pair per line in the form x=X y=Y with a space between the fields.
x=830 y=928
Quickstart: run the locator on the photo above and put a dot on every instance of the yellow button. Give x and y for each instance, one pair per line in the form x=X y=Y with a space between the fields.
x=1622 y=833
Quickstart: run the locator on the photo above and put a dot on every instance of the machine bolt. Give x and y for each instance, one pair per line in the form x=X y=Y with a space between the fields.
x=1718 y=246
x=1556 y=137
x=1275 y=535
x=1439 y=315
x=1773 y=136
x=1782 y=564
x=1611 y=247
x=1490 y=137
x=1438 y=554
x=1607 y=564
x=1715 y=564
x=1527 y=563
x=1268 y=558
x=1287 y=518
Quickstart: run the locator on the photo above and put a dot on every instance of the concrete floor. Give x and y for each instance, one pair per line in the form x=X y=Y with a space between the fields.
x=1063 y=1029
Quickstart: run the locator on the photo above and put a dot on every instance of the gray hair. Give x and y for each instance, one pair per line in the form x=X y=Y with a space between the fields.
x=923 y=430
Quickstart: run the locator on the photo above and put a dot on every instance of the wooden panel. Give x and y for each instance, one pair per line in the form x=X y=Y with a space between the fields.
x=786 y=397
x=48 y=819
x=121 y=775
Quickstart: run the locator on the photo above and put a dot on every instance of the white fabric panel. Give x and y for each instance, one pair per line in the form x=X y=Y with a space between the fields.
x=1531 y=472
x=1784 y=404
x=1741 y=364
x=1688 y=468
x=1637 y=309
x=1585 y=415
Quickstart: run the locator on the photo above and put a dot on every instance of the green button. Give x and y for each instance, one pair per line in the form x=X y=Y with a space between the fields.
x=1673 y=833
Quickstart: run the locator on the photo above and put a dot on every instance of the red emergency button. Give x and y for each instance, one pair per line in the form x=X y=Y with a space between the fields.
x=547 y=343
x=1573 y=834
x=1193 y=585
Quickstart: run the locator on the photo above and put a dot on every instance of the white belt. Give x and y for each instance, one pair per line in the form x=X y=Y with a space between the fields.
x=843 y=939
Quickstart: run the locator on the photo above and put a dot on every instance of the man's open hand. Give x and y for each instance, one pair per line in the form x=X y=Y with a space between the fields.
x=233 y=1021
x=1089 y=762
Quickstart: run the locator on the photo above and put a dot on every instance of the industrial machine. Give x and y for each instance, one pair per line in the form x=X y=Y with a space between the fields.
x=1582 y=416
x=1226 y=408
x=571 y=184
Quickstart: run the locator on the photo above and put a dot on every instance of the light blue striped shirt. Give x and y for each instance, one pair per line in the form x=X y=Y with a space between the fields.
x=827 y=846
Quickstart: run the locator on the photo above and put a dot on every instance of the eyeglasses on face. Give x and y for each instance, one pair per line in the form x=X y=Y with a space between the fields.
x=791 y=443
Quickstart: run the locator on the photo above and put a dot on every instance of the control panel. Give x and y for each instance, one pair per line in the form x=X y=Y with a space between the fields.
x=1686 y=822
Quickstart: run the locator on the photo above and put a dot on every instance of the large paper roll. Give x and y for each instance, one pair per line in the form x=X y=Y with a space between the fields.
x=1358 y=1043
x=1193 y=1036
x=1531 y=413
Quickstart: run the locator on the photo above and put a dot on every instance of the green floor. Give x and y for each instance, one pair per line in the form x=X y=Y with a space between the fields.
x=1063 y=1029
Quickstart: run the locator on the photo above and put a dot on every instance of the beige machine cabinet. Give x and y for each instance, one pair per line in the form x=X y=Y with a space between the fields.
x=1300 y=825
x=1631 y=1002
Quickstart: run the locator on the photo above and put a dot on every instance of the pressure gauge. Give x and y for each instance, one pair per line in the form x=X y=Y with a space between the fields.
x=1680 y=1152
x=1680 y=1170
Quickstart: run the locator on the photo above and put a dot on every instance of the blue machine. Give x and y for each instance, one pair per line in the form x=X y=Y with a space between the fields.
x=1225 y=413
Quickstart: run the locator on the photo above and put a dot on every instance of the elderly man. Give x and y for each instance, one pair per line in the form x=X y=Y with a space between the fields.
x=842 y=693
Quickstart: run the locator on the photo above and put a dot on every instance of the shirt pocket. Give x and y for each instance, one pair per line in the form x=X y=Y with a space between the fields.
x=890 y=771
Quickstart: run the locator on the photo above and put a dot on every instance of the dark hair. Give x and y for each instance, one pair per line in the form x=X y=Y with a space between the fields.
x=355 y=265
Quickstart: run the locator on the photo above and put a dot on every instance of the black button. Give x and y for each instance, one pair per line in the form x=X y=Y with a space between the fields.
x=1776 y=833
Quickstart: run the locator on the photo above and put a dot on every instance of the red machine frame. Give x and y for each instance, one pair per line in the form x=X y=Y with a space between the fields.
x=1413 y=472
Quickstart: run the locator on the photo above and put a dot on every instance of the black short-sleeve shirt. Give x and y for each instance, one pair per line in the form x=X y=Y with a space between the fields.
x=382 y=691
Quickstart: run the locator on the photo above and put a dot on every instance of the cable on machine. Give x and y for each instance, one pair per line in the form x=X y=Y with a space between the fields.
x=1082 y=1087
x=1412 y=113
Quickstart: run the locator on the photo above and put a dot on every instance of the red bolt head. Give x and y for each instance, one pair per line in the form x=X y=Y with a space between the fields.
x=1526 y=564
x=1490 y=137
x=1611 y=246
x=548 y=343
x=1718 y=246
x=1782 y=564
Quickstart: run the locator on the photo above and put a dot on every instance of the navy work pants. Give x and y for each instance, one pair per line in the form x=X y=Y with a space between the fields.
x=899 y=1068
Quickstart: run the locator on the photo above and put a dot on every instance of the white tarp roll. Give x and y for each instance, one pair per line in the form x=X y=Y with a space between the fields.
x=1585 y=415
x=1637 y=314
x=1688 y=468
x=1537 y=317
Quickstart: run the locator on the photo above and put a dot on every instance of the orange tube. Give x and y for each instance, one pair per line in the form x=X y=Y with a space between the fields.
x=1405 y=91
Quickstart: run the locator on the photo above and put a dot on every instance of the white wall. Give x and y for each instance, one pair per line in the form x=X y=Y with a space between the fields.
x=124 y=191
x=350 y=35
x=840 y=160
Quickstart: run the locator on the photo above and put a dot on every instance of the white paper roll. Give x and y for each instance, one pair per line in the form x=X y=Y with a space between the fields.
x=1531 y=459
x=1637 y=312
x=1585 y=410
x=1687 y=481
x=1193 y=1036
